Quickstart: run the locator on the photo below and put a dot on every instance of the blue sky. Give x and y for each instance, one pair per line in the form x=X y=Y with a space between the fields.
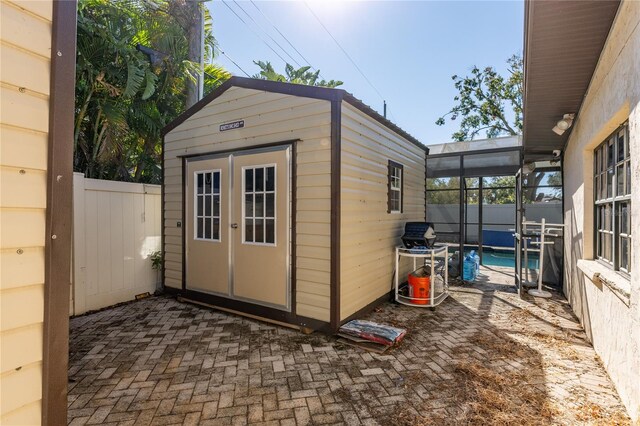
x=408 y=49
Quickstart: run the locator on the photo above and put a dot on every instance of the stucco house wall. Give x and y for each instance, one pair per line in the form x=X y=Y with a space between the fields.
x=609 y=308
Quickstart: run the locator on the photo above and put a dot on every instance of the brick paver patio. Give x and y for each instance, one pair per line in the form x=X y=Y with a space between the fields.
x=483 y=357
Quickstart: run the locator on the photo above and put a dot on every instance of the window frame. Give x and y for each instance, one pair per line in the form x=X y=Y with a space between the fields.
x=391 y=167
x=264 y=192
x=196 y=216
x=608 y=203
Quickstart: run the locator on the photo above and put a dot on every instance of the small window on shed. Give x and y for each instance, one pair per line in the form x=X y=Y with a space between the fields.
x=207 y=205
x=395 y=185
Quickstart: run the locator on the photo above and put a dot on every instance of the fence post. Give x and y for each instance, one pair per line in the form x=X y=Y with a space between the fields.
x=151 y=222
x=79 y=245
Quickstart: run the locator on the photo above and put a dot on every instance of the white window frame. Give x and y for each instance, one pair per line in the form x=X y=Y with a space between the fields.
x=264 y=192
x=212 y=216
x=612 y=201
x=398 y=168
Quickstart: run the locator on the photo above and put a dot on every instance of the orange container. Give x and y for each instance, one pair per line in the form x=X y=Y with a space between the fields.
x=419 y=288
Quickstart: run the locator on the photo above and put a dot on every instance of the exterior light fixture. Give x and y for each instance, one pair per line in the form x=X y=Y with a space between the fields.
x=562 y=125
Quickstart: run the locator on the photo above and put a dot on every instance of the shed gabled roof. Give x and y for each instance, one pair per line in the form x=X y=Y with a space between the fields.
x=562 y=44
x=301 y=90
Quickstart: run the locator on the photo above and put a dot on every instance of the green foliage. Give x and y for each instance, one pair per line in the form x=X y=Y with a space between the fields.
x=551 y=182
x=483 y=99
x=496 y=190
x=124 y=99
x=150 y=85
x=554 y=179
x=214 y=75
x=156 y=260
x=298 y=76
x=449 y=190
x=499 y=190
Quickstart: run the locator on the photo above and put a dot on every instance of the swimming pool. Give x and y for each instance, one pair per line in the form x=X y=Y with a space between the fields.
x=504 y=258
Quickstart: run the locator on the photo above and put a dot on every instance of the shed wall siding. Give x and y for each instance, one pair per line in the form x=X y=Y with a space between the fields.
x=269 y=118
x=25 y=45
x=368 y=233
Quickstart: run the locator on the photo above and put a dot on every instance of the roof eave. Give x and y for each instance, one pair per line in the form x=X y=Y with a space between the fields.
x=316 y=92
x=581 y=28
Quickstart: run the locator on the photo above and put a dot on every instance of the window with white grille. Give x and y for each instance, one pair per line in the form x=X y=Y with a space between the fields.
x=207 y=205
x=259 y=209
x=394 y=187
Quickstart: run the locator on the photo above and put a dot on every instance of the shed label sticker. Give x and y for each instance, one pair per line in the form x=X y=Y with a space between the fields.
x=233 y=125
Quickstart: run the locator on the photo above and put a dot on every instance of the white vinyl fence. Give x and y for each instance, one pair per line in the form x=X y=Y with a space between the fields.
x=116 y=226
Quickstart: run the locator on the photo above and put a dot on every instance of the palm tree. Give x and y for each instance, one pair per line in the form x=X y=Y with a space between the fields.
x=132 y=72
x=301 y=75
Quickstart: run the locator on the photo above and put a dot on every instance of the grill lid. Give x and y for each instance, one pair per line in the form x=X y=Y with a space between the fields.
x=419 y=234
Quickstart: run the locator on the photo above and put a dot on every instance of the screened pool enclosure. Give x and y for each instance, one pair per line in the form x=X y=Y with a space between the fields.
x=478 y=195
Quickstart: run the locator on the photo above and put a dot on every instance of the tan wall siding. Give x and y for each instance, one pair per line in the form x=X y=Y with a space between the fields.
x=612 y=324
x=25 y=45
x=368 y=233
x=269 y=117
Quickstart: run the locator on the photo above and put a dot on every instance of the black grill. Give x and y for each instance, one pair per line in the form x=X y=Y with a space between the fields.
x=418 y=234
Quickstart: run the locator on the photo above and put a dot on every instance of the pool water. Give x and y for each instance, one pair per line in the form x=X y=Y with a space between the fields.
x=505 y=258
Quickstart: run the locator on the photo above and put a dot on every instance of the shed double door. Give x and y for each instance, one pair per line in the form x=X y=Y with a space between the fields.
x=237 y=226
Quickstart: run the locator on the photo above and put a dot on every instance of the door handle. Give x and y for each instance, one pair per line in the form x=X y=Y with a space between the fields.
x=234 y=225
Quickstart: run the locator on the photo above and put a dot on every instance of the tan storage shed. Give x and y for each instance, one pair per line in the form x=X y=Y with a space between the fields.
x=285 y=202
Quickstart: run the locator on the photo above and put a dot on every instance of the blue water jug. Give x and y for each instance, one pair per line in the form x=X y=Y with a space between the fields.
x=476 y=258
x=468 y=269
